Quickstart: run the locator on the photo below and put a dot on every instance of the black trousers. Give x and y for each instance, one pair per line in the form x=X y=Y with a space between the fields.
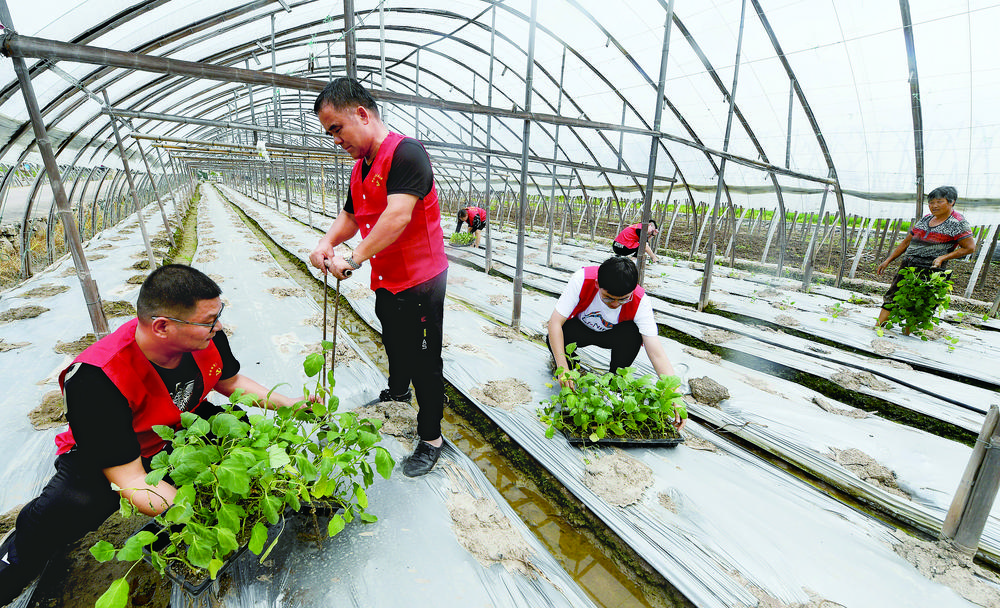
x=412 y=332
x=622 y=250
x=75 y=501
x=623 y=340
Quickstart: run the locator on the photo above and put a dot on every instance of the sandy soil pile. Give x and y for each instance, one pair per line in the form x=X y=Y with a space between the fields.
x=616 y=477
x=488 y=535
x=505 y=394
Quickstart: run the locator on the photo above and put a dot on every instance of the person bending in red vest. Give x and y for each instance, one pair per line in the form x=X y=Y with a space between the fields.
x=604 y=306
x=627 y=241
x=476 y=218
x=392 y=201
x=146 y=373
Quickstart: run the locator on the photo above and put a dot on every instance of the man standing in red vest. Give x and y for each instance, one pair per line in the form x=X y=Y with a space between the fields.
x=393 y=202
x=604 y=306
x=146 y=373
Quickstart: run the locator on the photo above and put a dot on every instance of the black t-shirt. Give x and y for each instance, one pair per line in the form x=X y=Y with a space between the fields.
x=409 y=173
x=101 y=418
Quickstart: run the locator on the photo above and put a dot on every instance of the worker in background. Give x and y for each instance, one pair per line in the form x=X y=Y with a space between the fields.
x=627 y=241
x=475 y=217
x=393 y=202
x=604 y=306
x=941 y=235
x=158 y=365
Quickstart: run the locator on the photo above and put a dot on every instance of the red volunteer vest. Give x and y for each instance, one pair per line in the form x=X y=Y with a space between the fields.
x=476 y=212
x=120 y=358
x=418 y=254
x=589 y=291
x=629 y=237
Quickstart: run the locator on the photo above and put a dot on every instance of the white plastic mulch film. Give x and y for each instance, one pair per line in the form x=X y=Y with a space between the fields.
x=698 y=526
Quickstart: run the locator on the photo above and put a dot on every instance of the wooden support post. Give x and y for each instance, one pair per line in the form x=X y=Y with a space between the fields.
x=974 y=498
x=951 y=520
x=732 y=237
x=772 y=226
x=862 y=240
x=989 y=260
x=881 y=242
x=673 y=217
x=979 y=262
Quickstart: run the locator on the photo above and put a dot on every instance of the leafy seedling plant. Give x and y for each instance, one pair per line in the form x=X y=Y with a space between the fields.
x=462 y=238
x=919 y=300
x=239 y=472
x=621 y=404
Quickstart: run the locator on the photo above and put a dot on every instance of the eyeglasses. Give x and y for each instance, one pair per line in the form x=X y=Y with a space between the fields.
x=208 y=325
x=609 y=300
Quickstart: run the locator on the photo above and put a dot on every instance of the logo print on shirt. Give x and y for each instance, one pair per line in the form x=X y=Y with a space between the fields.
x=594 y=319
x=377 y=180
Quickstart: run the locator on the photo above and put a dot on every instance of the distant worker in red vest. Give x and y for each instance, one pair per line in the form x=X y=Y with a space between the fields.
x=604 y=306
x=146 y=373
x=627 y=241
x=393 y=202
x=476 y=218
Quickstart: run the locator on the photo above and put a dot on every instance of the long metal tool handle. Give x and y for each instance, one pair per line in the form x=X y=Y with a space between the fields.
x=325 y=288
x=336 y=312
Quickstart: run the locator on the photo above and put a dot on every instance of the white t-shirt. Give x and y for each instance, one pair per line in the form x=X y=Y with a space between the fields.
x=598 y=316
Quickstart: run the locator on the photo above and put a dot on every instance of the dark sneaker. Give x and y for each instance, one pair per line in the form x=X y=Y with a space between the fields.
x=385 y=395
x=422 y=460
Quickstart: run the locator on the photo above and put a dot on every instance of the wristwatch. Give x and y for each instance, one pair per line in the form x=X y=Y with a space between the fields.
x=349 y=258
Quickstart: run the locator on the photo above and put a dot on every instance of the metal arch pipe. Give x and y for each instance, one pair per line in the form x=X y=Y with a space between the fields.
x=915 y=107
x=25 y=225
x=83 y=196
x=91 y=295
x=814 y=125
x=8 y=176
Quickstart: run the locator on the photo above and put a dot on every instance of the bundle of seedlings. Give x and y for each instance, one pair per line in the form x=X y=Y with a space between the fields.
x=462 y=239
x=919 y=299
x=239 y=473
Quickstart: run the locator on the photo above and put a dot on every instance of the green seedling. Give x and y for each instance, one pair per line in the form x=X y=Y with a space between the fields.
x=620 y=403
x=919 y=300
x=239 y=472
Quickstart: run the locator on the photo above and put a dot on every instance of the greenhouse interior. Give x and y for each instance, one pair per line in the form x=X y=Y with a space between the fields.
x=787 y=203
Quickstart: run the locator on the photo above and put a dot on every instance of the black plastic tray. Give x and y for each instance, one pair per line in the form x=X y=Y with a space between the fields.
x=197 y=586
x=625 y=442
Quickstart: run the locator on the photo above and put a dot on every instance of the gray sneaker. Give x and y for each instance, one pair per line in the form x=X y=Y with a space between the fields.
x=422 y=460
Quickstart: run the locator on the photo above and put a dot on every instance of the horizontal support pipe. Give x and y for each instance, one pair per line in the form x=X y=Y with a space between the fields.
x=15 y=45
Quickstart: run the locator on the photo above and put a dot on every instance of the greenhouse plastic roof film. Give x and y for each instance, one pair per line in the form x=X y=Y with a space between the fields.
x=848 y=61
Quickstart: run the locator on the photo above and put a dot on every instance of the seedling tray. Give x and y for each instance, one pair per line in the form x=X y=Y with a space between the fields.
x=624 y=442
x=194 y=585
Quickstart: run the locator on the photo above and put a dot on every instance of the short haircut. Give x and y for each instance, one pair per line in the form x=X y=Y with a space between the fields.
x=463 y=213
x=618 y=276
x=173 y=290
x=948 y=193
x=345 y=93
